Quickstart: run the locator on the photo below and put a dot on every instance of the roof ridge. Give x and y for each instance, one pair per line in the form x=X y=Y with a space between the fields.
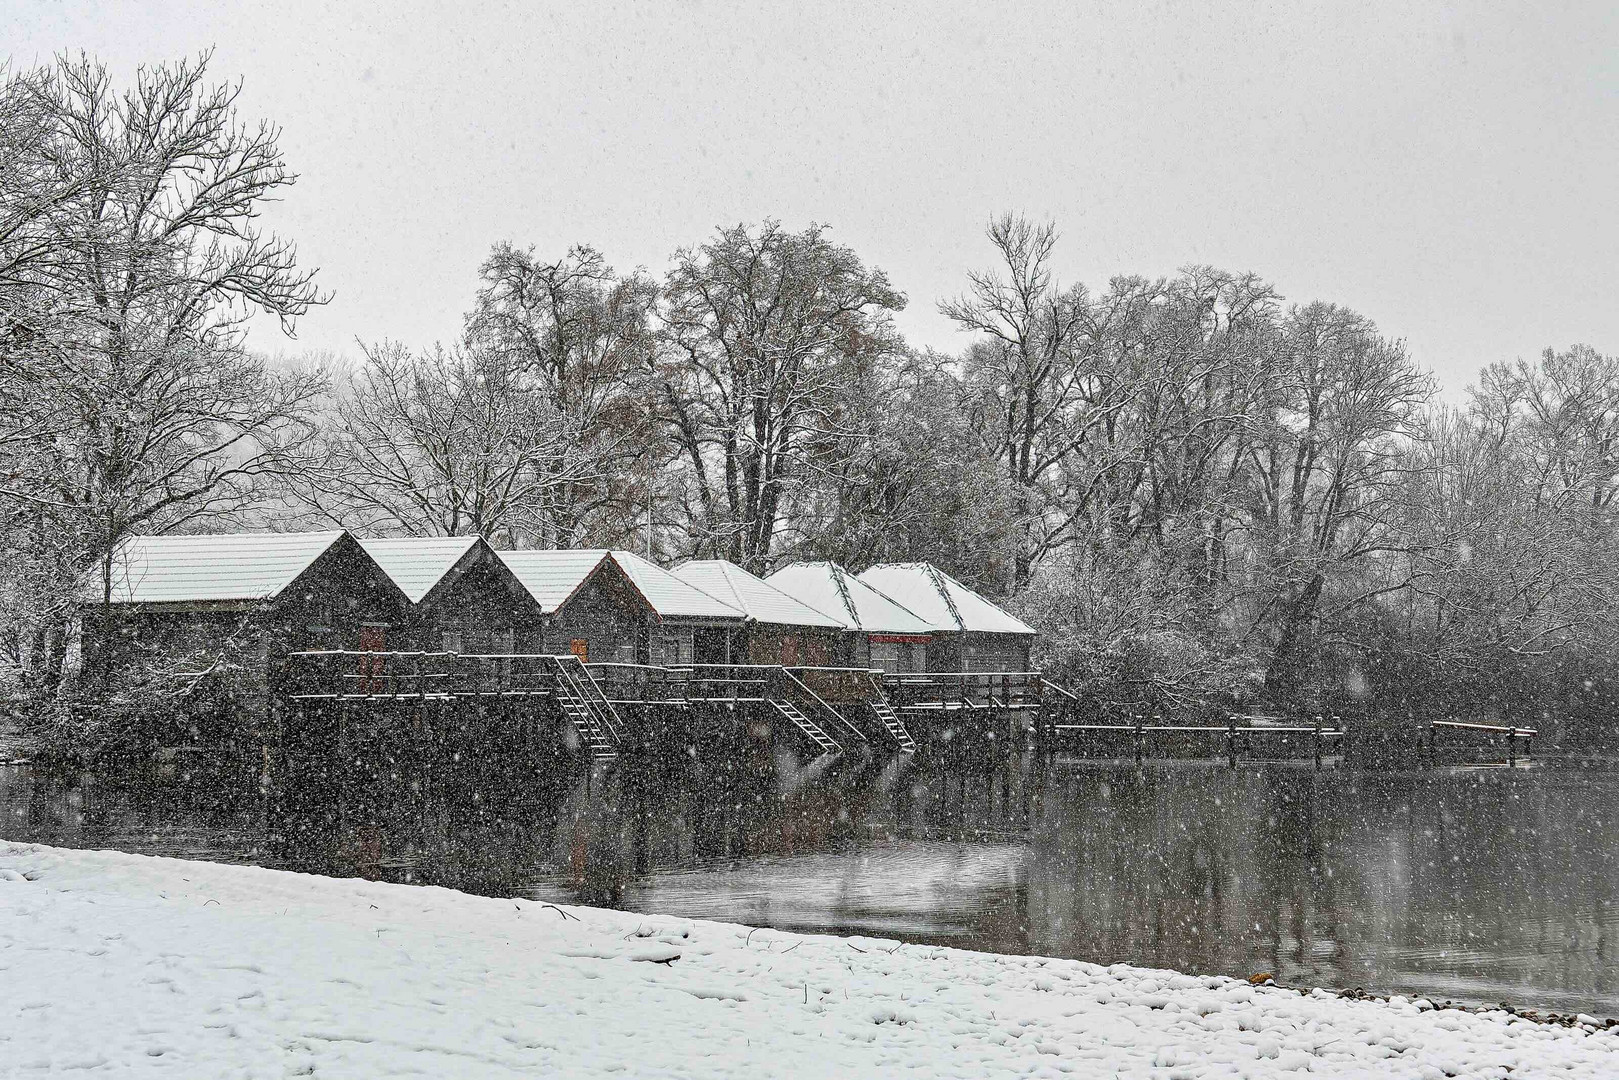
x=838 y=575
x=220 y=535
x=939 y=579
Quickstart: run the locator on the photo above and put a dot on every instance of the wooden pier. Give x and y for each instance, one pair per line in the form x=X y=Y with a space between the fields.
x=614 y=707
x=610 y=705
x=1240 y=737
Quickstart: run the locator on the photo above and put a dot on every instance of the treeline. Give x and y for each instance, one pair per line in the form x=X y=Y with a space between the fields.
x=1201 y=492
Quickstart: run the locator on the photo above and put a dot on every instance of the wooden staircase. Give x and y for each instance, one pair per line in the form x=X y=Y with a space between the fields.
x=791 y=688
x=812 y=731
x=893 y=725
x=586 y=707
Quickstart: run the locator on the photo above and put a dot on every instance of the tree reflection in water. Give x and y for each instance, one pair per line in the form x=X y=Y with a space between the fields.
x=1471 y=884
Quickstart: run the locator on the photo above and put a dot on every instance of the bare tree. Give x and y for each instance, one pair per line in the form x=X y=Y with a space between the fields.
x=1325 y=470
x=765 y=333
x=1027 y=374
x=125 y=306
x=912 y=481
x=449 y=442
x=578 y=337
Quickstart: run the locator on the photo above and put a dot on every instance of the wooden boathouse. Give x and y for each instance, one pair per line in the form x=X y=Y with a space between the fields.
x=601 y=646
x=692 y=627
x=779 y=629
x=879 y=633
x=175 y=602
x=969 y=633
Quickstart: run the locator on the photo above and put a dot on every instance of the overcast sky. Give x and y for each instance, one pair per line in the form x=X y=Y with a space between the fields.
x=1449 y=171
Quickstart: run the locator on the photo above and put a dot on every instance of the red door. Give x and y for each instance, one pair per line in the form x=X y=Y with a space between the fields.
x=372 y=639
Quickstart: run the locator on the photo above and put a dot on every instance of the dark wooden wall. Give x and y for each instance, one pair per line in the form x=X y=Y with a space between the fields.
x=800 y=646
x=608 y=614
x=975 y=651
x=482 y=610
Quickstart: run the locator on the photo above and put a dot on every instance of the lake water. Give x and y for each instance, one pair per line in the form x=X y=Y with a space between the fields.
x=1473 y=884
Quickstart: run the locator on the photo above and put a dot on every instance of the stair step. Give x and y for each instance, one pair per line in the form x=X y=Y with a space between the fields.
x=894 y=726
x=593 y=721
x=810 y=728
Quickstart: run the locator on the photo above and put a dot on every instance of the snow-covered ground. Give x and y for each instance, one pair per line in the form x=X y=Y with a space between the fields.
x=133 y=965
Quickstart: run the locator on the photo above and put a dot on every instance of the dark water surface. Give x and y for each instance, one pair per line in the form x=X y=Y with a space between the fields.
x=1473 y=884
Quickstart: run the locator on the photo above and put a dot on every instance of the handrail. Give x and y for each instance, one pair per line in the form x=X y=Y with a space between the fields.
x=796 y=681
x=1485 y=727
x=1063 y=690
x=599 y=703
x=1325 y=732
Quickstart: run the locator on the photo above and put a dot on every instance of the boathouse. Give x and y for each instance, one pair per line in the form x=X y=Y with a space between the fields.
x=692 y=626
x=178 y=603
x=589 y=606
x=880 y=633
x=968 y=632
x=464 y=597
x=779 y=629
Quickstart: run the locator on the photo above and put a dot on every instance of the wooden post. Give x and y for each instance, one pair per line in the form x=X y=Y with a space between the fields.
x=1138 y=739
x=1316 y=741
x=1512 y=745
x=1231 y=740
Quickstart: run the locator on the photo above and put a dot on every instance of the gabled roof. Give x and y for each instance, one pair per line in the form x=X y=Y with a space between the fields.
x=553 y=575
x=828 y=587
x=207 y=568
x=753 y=596
x=670 y=596
x=942 y=600
x=418 y=563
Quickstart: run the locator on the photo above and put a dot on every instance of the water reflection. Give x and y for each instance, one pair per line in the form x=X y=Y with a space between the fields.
x=1470 y=884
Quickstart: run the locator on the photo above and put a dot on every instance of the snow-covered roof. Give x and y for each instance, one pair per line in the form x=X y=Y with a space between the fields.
x=828 y=587
x=553 y=575
x=943 y=601
x=754 y=596
x=417 y=563
x=207 y=568
x=670 y=596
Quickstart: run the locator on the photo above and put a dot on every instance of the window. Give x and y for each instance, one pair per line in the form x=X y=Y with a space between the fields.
x=451 y=641
x=885 y=655
x=580 y=648
x=671 y=648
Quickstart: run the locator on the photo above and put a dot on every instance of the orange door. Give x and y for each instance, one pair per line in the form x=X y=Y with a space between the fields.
x=372 y=639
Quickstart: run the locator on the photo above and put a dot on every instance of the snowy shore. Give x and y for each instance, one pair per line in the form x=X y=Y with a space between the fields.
x=136 y=965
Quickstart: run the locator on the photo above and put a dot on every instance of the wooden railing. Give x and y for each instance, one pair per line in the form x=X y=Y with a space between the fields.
x=1147 y=736
x=353 y=673
x=964 y=689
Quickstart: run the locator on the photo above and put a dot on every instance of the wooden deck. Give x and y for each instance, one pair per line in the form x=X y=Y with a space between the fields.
x=835 y=710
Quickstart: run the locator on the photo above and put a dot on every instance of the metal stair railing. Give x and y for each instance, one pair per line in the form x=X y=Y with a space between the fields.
x=586 y=707
x=812 y=731
x=796 y=687
x=893 y=725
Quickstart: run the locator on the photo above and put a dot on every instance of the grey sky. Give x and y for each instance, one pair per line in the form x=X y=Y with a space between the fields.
x=1449 y=170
